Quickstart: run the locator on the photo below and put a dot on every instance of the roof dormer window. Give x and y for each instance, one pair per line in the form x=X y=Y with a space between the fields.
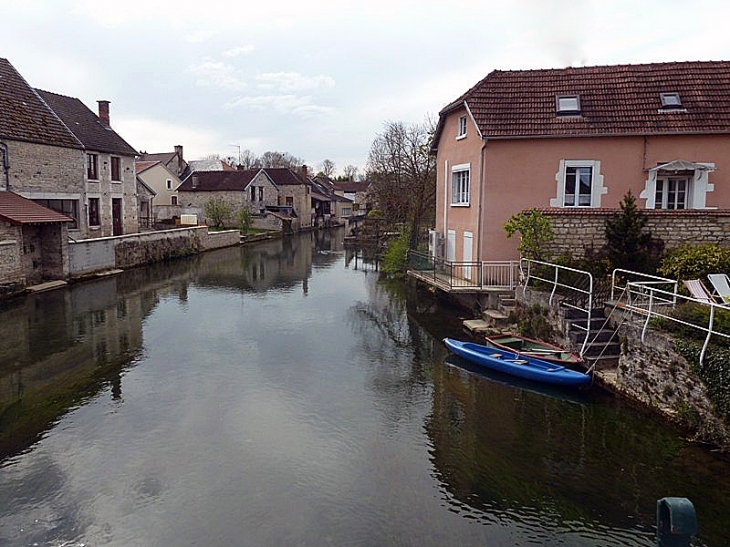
x=671 y=100
x=567 y=105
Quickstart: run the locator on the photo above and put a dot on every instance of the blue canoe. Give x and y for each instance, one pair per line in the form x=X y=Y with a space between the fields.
x=515 y=364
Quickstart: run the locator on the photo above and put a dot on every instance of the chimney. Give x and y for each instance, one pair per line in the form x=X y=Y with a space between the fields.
x=304 y=173
x=104 y=113
x=180 y=161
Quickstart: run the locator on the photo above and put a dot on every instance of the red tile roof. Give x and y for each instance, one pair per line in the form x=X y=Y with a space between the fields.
x=18 y=210
x=614 y=100
x=141 y=166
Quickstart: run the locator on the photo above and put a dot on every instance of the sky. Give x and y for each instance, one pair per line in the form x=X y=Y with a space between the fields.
x=320 y=78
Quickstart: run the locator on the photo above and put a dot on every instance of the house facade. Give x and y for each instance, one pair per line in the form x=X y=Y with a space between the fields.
x=109 y=206
x=159 y=177
x=572 y=142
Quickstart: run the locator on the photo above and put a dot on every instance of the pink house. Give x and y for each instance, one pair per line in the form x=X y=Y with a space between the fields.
x=572 y=142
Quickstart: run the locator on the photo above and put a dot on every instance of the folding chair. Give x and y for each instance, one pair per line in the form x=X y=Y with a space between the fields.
x=721 y=286
x=698 y=291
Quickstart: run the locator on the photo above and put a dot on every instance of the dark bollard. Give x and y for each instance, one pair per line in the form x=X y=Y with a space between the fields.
x=676 y=522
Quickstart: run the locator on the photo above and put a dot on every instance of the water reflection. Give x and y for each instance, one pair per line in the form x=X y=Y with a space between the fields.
x=284 y=395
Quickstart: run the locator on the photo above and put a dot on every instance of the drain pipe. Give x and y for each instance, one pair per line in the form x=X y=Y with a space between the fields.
x=6 y=163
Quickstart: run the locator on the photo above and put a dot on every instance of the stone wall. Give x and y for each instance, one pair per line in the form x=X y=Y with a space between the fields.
x=650 y=373
x=581 y=230
x=131 y=250
x=11 y=267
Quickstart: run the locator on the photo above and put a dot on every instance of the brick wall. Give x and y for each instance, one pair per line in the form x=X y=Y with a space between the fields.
x=577 y=230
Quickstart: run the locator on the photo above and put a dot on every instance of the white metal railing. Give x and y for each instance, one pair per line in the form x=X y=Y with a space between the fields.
x=505 y=274
x=652 y=301
x=531 y=269
x=465 y=275
x=640 y=279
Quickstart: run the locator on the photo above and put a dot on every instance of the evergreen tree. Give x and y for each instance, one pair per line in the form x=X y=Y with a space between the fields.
x=628 y=245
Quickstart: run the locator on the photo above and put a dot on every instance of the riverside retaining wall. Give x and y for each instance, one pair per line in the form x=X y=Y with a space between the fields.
x=106 y=253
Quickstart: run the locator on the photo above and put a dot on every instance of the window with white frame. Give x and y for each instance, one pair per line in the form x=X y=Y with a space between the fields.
x=579 y=184
x=461 y=133
x=671 y=193
x=678 y=184
x=460 y=184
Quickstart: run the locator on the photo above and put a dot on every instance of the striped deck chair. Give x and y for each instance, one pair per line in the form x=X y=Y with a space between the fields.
x=698 y=291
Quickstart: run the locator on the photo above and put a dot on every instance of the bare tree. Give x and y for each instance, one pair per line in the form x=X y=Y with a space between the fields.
x=248 y=160
x=349 y=172
x=327 y=168
x=403 y=173
x=280 y=159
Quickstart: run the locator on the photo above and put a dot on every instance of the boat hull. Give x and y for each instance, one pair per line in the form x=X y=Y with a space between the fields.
x=534 y=348
x=521 y=366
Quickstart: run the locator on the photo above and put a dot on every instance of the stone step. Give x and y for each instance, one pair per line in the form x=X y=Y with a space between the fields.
x=577 y=336
x=496 y=318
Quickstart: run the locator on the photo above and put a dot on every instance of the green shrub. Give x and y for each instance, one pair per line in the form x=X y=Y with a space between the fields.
x=535 y=233
x=695 y=262
x=714 y=373
x=396 y=256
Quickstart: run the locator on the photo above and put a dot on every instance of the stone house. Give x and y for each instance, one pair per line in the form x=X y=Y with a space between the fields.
x=110 y=201
x=572 y=142
x=33 y=243
x=42 y=159
x=276 y=192
x=357 y=192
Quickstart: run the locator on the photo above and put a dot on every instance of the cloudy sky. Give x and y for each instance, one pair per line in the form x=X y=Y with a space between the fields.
x=319 y=78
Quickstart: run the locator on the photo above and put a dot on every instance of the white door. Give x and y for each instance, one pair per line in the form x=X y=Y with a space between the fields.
x=451 y=246
x=468 y=253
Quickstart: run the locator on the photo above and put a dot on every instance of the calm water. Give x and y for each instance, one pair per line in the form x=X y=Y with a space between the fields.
x=281 y=395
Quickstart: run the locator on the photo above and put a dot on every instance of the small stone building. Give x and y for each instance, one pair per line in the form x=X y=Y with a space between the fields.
x=33 y=243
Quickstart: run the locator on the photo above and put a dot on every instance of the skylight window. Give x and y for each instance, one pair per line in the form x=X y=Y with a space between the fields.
x=671 y=100
x=567 y=104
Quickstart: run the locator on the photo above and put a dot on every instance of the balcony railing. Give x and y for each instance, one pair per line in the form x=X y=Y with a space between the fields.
x=463 y=275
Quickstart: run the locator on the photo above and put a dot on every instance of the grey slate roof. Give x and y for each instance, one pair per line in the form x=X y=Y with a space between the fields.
x=25 y=116
x=86 y=125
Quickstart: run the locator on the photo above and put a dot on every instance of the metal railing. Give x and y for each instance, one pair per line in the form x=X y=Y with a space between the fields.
x=620 y=279
x=568 y=280
x=651 y=301
x=464 y=275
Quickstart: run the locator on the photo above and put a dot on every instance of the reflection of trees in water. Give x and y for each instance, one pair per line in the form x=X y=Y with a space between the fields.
x=397 y=351
x=554 y=464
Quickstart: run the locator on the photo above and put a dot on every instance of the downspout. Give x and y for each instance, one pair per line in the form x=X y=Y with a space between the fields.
x=6 y=163
x=446 y=204
x=481 y=191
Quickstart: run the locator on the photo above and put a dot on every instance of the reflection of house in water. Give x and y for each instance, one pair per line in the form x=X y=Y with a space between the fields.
x=66 y=345
x=277 y=264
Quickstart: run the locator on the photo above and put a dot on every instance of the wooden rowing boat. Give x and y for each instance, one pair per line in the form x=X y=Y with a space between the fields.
x=516 y=364
x=534 y=348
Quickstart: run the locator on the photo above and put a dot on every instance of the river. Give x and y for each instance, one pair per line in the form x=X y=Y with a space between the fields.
x=280 y=394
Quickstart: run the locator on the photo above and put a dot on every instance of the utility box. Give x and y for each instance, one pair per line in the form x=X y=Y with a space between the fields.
x=676 y=522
